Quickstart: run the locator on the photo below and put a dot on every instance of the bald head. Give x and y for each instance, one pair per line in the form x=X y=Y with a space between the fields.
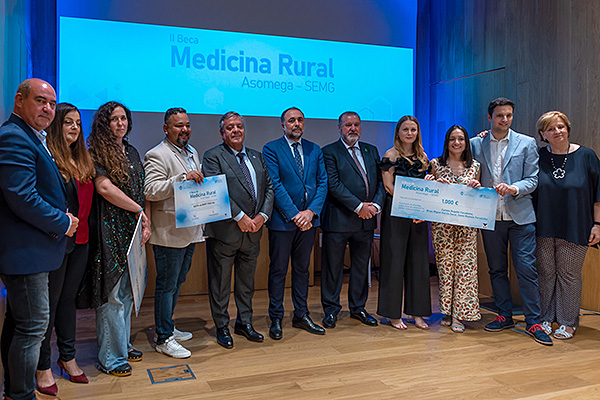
x=34 y=103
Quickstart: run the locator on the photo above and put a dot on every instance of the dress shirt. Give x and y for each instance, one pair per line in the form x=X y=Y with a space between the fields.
x=361 y=160
x=252 y=176
x=497 y=153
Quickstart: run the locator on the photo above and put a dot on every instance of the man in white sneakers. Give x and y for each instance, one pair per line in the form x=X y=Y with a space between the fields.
x=173 y=160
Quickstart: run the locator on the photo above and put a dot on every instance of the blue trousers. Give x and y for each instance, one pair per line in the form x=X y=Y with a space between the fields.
x=284 y=245
x=113 y=325
x=522 y=246
x=172 y=266
x=26 y=321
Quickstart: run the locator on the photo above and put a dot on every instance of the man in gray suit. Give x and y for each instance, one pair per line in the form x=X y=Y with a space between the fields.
x=172 y=160
x=509 y=164
x=236 y=241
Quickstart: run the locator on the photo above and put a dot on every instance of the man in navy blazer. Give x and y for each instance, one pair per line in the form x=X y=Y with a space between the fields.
x=33 y=224
x=349 y=218
x=299 y=180
x=509 y=164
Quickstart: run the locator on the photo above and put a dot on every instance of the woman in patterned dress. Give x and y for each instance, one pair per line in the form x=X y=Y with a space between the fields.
x=456 y=246
x=569 y=183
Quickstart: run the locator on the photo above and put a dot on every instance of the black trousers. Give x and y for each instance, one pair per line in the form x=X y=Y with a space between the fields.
x=332 y=269
x=221 y=259
x=404 y=271
x=63 y=285
x=283 y=245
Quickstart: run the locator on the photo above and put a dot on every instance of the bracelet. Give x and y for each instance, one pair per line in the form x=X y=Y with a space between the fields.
x=596 y=223
x=139 y=212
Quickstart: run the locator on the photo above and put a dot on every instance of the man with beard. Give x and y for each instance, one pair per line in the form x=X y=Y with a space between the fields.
x=300 y=183
x=171 y=161
x=353 y=201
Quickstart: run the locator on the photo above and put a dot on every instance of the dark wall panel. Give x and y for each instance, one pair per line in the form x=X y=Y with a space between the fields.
x=548 y=50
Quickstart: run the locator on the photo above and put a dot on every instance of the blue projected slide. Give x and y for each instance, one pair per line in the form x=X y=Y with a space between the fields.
x=152 y=67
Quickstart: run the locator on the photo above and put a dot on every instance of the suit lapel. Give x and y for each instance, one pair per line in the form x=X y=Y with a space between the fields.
x=368 y=158
x=485 y=152
x=346 y=154
x=287 y=151
x=513 y=143
x=233 y=163
x=17 y=120
x=258 y=171
x=177 y=155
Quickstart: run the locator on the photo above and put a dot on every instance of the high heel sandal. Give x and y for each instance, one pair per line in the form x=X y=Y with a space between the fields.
x=81 y=378
x=51 y=390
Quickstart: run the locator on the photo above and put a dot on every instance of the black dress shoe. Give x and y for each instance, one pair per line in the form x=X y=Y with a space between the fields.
x=364 y=317
x=329 y=321
x=224 y=337
x=275 y=331
x=248 y=331
x=307 y=324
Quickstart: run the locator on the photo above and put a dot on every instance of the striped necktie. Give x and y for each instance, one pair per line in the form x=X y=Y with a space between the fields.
x=248 y=177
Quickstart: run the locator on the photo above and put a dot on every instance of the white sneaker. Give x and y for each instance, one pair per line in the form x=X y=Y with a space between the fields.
x=173 y=349
x=181 y=336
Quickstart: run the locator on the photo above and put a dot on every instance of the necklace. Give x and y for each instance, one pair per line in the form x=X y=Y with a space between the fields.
x=559 y=173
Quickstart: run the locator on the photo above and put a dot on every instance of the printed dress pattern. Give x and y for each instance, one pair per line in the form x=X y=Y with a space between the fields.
x=456 y=256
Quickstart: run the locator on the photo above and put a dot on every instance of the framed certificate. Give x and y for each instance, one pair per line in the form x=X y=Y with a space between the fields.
x=197 y=203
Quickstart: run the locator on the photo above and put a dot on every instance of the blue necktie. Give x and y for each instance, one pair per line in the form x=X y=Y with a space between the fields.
x=248 y=177
x=298 y=159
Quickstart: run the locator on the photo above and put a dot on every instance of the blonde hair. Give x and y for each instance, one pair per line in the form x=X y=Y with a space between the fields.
x=547 y=118
x=417 y=145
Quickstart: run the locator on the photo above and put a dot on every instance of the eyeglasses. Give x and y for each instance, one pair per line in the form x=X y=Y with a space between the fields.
x=70 y=122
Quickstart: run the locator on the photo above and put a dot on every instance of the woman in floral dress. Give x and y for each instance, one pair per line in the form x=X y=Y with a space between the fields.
x=456 y=246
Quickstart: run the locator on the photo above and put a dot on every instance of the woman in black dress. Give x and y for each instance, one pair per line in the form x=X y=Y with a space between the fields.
x=120 y=184
x=404 y=242
x=568 y=184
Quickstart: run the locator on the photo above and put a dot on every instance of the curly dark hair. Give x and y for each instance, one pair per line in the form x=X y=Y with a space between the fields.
x=104 y=148
x=73 y=161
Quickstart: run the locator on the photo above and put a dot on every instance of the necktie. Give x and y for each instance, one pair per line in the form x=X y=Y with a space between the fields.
x=246 y=172
x=355 y=149
x=298 y=159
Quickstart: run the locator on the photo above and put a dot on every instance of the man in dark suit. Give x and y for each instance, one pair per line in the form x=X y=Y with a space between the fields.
x=300 y=183
x=33 y=224
x=354 y=199
x=236 y=241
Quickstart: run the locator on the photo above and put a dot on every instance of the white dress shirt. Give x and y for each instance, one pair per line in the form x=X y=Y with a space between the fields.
x=497 y=153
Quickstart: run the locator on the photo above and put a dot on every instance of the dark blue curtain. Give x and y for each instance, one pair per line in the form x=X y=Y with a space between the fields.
x=43 y=40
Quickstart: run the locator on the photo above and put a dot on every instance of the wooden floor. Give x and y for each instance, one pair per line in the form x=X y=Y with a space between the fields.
x=350 y=361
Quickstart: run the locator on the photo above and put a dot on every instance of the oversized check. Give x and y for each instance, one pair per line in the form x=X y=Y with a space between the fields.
x=197 y=204
x=138 y=271
x=441 y=202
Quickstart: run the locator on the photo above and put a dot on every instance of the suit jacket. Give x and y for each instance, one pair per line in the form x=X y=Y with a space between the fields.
x=163 y=166
x=220 y=160
x=294 y=193
x=520 y=169
x=32 y=203
x=347 y=187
